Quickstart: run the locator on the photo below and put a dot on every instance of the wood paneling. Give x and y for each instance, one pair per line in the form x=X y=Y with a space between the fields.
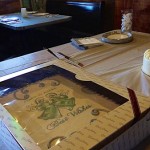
x=141 y=13
x=9 y=6
x=117 y=18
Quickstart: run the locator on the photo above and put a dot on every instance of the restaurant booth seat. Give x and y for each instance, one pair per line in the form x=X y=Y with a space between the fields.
x=87 y=18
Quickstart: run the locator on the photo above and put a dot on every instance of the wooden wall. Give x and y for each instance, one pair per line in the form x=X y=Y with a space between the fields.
x=141 y=14
x=9 y=6
x=141 y=8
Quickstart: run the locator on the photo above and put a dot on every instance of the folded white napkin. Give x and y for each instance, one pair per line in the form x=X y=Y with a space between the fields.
x=8 y=19
x=87 y=42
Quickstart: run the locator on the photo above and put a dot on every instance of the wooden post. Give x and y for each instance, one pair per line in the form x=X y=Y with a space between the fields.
x=20 y=3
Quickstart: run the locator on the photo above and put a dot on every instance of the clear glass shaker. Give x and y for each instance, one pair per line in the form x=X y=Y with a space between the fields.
x=126 y=21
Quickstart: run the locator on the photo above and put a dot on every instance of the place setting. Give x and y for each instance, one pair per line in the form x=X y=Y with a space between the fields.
x=125 y=34
x=10 y=20
x=116 y=37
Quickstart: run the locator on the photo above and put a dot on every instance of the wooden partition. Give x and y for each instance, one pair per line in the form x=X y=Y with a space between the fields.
x=141 y=13
x=9 y=6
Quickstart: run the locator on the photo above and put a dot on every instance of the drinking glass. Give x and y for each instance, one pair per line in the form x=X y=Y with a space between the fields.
x=126 y=21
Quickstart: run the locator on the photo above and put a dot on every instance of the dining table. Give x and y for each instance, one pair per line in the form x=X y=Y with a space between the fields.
x=118 y=63
x=24 y=35
x=15 y=21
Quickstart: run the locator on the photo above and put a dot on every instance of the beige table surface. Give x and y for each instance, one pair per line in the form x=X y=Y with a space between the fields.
x=120 y=63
